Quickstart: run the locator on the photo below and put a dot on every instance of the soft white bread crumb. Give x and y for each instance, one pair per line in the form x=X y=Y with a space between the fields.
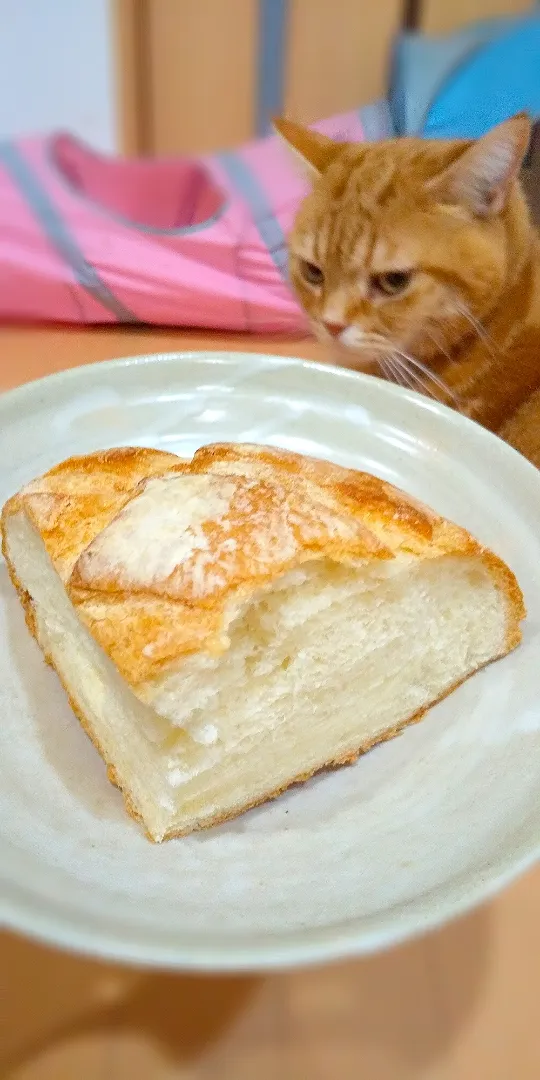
x=236 y=623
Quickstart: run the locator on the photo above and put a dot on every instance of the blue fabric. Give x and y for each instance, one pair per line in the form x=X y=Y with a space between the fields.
x=462 y=84
x=502 y=79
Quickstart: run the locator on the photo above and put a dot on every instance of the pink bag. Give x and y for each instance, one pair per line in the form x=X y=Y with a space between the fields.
x=182 y=242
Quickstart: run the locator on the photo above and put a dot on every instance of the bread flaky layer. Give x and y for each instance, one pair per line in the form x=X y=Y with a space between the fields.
x=349 y=757
x=109 y=522
x=234 y=606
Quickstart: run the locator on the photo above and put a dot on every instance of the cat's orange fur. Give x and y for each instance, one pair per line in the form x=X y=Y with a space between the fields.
x=452 y=217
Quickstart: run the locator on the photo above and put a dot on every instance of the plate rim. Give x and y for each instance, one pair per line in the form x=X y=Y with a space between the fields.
x=286 y=949
x=10 y=397
x=305 y=948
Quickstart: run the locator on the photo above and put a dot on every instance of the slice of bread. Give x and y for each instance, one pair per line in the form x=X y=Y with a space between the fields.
x=227 y=626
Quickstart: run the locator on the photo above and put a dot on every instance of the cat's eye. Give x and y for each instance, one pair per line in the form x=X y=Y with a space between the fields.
x=392 y=283
x=311 y=273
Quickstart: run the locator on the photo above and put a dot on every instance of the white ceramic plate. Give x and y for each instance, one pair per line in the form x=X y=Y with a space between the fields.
x=418 y=830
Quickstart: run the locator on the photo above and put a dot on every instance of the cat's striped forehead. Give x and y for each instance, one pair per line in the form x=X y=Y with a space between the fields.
x=361 y=213
x=354 y=237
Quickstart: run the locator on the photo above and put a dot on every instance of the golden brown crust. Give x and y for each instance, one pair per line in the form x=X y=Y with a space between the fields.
x=277 y=510
x=76 y=499
x=402 y=522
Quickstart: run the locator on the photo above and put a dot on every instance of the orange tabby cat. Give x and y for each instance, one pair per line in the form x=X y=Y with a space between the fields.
x=417 y=259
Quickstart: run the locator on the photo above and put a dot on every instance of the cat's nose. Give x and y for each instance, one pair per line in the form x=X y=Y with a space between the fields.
x=333 y=328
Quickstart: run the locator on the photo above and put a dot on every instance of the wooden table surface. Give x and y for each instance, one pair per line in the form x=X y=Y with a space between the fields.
x=460 y=1004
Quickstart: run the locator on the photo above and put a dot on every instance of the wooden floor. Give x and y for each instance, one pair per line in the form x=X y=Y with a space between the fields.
x=460 y=1004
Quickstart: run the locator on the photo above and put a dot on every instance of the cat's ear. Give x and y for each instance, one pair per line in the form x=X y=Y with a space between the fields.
x=314 y=152
x=481 y=177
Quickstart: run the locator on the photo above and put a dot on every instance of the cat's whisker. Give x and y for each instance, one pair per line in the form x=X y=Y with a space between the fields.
x=373 y=341
x=438 y=342
x=399 y=367
x=389 y=371
x=385 y=370
x=429 y=377
x=481 y=331
x=404 y=378
x=409 y=378
x=406 y=370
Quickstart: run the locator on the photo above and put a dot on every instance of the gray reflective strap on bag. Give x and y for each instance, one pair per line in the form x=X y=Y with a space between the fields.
x=58 y=232
x=272 y=34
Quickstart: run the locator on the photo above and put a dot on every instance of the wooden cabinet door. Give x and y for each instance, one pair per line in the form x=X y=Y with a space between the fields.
x=337 y=54
x=439 y=16
x=201 y=67
x=189 y=68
